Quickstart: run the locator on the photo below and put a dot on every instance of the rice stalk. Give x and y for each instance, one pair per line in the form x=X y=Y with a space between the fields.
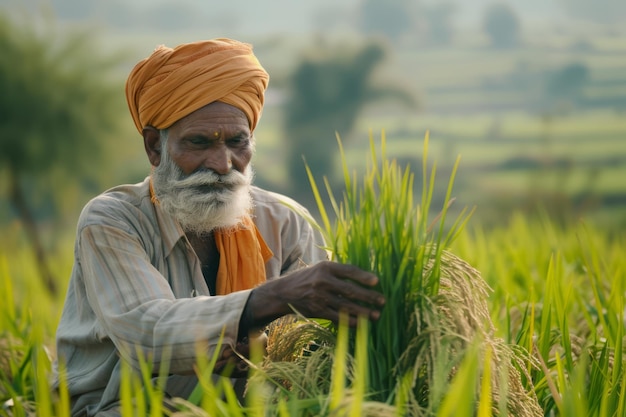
x=298 y=366
x=436 y=303
x=459 y=317
x=339 y=366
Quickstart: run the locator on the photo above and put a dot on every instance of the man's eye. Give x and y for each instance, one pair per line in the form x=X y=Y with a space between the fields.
x=238 y=141
x=198 y=141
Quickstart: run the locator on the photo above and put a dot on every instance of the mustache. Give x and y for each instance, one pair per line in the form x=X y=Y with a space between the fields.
x=207 y=178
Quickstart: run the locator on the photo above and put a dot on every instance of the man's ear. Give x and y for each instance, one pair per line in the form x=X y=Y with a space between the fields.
x=152 y=144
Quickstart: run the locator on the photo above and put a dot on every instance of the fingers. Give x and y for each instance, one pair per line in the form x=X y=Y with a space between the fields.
x=348 y=289
x=353 y=310
x=344 y=278
x=351 y=272
x=322 y=290
x=232 y=368
x=232 y=363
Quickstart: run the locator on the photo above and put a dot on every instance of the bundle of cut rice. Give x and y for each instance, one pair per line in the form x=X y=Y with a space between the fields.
x=435 y=316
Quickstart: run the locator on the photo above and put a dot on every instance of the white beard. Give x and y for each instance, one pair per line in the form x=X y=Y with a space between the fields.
x=204 y=200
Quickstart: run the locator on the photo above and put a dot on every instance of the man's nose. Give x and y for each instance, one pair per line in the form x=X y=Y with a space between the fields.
x=219 y=160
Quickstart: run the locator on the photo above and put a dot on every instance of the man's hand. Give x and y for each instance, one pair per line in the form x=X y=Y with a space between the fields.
x=323 y=290
x=232 y=363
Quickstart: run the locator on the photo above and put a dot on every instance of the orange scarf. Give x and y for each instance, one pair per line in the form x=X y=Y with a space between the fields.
x=243 y=254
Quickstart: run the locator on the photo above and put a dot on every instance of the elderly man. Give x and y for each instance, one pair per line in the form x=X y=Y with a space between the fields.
x=194 y=251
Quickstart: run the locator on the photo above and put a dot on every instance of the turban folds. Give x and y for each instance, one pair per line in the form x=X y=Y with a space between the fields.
x=173 y=83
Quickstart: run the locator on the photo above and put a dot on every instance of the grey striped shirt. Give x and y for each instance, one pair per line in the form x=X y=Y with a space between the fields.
x=137 y=283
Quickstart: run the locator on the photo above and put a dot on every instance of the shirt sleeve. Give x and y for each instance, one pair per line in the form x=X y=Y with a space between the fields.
x=287 y=229
x=303 y=244
x=139 y=312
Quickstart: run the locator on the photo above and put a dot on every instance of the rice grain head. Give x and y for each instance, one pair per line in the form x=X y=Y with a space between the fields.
x=462 y=305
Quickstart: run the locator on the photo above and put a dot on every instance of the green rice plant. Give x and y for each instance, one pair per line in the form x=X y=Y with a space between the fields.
x=436 y=303
x=17 y=382
x=142 y=390
x=25 y=353
x=573 y=316
x=310 y=371
x=379 y=228
x=295 y=376
x=458 y=399
x=548 y=320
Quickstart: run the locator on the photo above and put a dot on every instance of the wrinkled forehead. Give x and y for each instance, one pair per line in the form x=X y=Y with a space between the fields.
x=215 y=116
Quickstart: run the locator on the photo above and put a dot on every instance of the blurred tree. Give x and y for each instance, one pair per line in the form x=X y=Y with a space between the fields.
x=502 y=25
x=567 y=83
x=391 y=18
x=327 y=93
x=58 y=102
x=601 y=11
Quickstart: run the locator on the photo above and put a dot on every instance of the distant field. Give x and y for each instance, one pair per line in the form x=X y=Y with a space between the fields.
x=488 y=107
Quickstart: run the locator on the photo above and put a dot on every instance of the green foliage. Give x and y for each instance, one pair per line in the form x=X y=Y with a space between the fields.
x=415 y=355
x=558 y=293
x=24 y=359
x=57 y=108
x=379 y=228
x=568 y=82
x=58 y=102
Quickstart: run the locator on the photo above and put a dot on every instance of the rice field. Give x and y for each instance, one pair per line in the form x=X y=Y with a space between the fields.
x=526 y=318
x=505 y=312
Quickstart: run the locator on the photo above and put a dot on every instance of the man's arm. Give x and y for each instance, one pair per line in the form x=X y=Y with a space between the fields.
x=137 y=309
x=323 y=290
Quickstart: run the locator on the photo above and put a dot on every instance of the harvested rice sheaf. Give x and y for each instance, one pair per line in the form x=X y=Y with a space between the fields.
x=300 y=351
x=436 y=312
x=462 y=302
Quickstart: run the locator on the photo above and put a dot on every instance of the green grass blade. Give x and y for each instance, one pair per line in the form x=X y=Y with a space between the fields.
x=460 y=398
x=338 y=379
x=484 y=403
x=361 y=377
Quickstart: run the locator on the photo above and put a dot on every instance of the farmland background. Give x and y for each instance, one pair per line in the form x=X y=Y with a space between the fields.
x=526 y=133
x=540 y=123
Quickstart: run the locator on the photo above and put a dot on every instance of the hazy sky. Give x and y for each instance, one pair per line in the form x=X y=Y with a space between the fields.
x=280 y=16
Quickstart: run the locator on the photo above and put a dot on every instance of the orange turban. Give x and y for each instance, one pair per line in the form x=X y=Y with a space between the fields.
x=172 y=83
